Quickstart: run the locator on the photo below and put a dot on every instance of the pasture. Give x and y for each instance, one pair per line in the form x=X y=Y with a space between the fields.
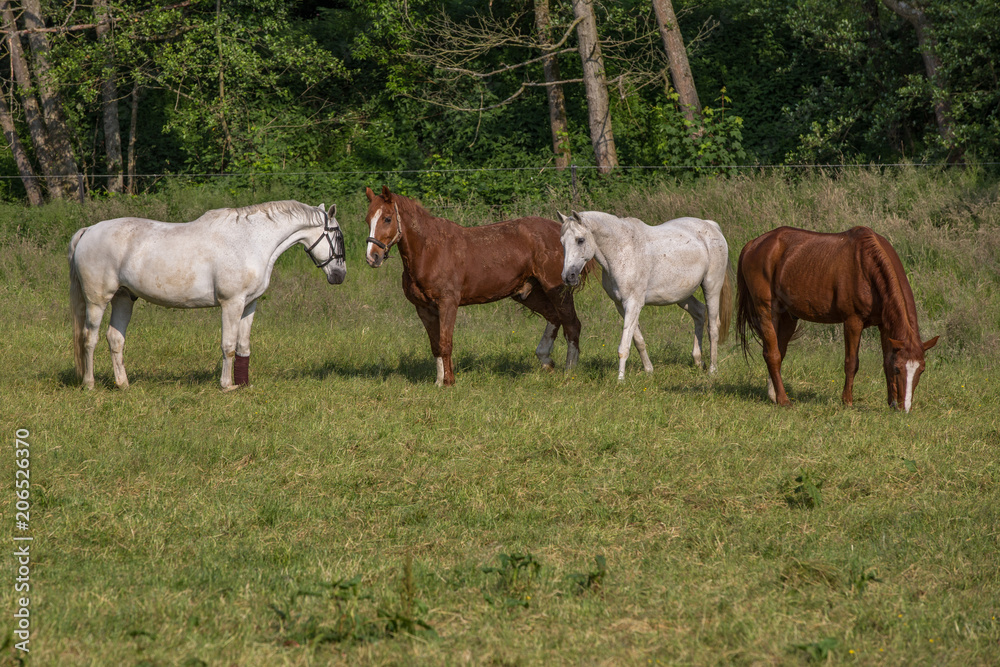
x=344 y=510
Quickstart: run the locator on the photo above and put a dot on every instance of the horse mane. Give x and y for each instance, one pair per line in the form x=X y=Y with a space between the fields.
x=414 y=209
x=271 y=209
x=897 y=309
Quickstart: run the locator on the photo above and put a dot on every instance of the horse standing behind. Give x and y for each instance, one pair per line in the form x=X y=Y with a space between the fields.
x=657 y=265
x=854 y=277
x=446 y=266
x=224 y=258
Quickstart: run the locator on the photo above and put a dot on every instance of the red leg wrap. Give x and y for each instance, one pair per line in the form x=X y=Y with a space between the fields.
x=241 y=372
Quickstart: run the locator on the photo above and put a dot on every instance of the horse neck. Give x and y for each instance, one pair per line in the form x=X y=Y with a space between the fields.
x=279 y=233
x=418 y=226
x=899 y=311
x=610 y=234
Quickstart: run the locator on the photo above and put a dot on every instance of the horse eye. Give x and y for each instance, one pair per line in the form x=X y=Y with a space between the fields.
x=579 y=240
x=388 y=219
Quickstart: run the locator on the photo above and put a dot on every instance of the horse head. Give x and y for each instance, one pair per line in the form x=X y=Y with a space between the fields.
x=384 y=226
x=578 y=245
x=903 y=363
x=329 y=256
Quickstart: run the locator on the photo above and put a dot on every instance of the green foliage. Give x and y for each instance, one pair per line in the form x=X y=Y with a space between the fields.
x=347 y=613
x=715 y=139
x=583 y=582
x=803 y=491
x=818 y=651
x=515 y=578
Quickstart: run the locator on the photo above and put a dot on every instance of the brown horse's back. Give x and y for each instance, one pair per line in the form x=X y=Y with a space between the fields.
x=825 y=271
x=502 y=257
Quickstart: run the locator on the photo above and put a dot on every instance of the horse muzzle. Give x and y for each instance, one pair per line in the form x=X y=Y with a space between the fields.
x=336 y=277
x=571 y=278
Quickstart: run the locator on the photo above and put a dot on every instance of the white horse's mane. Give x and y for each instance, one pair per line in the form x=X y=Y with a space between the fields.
x=270 y=210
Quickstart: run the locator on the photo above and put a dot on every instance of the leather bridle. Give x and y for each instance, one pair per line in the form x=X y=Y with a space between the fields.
x=399 y=235
x=336 y=241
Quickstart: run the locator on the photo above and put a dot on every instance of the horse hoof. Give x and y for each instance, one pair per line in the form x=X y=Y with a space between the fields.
x=549 y=366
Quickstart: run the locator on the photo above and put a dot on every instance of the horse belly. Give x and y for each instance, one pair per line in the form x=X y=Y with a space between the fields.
x=169 y=283
x=675 y=276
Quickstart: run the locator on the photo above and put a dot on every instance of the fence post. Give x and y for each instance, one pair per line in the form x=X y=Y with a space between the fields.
x=572 y=172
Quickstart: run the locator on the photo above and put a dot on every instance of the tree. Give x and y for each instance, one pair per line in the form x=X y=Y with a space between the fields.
x=557 y=101
x=109 y=100
x=680 y=70
x=594 y=81
x=42 y=104
x=927 y=44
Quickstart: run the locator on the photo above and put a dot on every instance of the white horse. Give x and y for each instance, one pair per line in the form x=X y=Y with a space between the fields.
x=657 y=265
x=224 y=258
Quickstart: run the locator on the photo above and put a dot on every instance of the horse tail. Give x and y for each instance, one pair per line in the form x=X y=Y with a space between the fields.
x=726 y=304
x=77 y=305
x=747 y=318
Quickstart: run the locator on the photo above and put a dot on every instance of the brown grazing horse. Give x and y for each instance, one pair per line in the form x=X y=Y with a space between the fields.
x=854 y=277
x=446 y=266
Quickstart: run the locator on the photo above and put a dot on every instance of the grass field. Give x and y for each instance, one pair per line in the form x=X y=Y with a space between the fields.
x=345 y=510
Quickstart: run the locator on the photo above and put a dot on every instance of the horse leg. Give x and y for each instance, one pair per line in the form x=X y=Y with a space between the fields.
x=447 y=311
x=545 y=345
x=773 y=354
x=232 y=312
x=241 y=372
x=121 y=314
x=543 y=305
x=432 y=324
x=784 y=329
x=696 y=309
x=852 y=341
x=630 y=314
x=91 y=327
x=640 y=342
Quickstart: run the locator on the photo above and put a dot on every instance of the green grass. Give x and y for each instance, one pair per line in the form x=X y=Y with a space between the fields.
x=345 y=510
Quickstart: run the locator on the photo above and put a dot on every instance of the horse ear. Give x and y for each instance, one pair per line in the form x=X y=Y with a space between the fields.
x=576 y=215
x=370 y=195
x=897 y=345
x=332 y=211
x=562 y=218
x=386 y=195
x=931 y=343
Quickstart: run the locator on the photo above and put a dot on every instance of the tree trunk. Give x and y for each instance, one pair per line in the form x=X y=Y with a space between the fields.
x=20 y=157
x=932 y=66
x=48 y=93
x=557 y=101
x=680 y=70
x=598 y=108
x=109 y=101
x=133 y=127
x=32 y=110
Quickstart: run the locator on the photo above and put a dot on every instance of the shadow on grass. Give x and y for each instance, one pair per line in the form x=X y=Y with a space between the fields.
x=757 y=392
x=67 y=378
x=418 y=369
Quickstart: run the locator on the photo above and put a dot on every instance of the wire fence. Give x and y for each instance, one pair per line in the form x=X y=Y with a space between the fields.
x=449 y=182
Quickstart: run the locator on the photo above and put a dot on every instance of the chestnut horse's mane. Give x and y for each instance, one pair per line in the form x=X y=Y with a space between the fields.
x=898 y=309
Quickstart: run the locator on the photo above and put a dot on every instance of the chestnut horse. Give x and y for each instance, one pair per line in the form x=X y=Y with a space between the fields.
x=854 y=277
x=446 y=266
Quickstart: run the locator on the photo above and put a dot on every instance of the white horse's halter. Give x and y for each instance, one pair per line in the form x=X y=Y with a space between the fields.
x=336 y=242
